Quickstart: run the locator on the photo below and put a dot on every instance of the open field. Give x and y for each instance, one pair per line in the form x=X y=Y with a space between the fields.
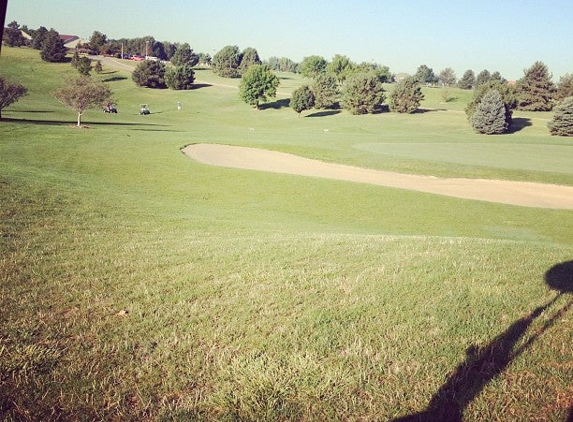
x=136 y=283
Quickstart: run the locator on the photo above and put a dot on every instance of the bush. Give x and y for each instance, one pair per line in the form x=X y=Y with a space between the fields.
x=562 y=122
x=363 y=93
x=407 y=96
x=150 y=74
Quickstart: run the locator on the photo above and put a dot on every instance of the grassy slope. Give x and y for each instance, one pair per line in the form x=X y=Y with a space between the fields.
x=138 y=283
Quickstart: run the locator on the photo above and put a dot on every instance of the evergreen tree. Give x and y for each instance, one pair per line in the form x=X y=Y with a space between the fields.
x=407 y=96
x=341 y=67
x=98 y=67
x=39 y=38
x=468 y=80
x=180 y=77
x=483 y=77
x=507 y=95
x=150 y=74
x=249 y=57
x=325 y=89
x=363 y=93
x=302 y=99
x=489 y=117
x=535 y=90
x=258 y=83
x=184 y=55
x=562 y=122
x=53 y=49
x=564 y=87
x=84 y=66
x=447 y=77
x=226 y=62
x=425 y=75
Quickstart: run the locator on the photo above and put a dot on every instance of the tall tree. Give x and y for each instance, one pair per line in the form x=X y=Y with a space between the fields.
x=249 y=57
x=468 y=80
x=482 y=77
x=39 y=38
x=226 y=62
x=489 y=117
x=407 y=96
x=150 y=74
x=535 y=90
x=341 y=67
x=257 y=84
x=363 y=93
x=325 y=89
x=10 y=93
x=82 y=94
x=184 y=55
x=302 y=99
x=312 y=66
x=13 y=35
x=425 y=75
x=447 y=77
x=564 y=87
x=562 y=122
x=97 y=41
x=53 y=49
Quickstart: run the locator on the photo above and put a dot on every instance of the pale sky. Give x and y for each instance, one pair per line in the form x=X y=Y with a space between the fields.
x=503 y=35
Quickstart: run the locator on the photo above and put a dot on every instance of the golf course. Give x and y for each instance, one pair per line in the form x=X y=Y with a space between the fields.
x=211 y=261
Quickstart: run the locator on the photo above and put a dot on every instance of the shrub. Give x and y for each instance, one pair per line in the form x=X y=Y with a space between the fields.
x=562 y=122
x=489 y=117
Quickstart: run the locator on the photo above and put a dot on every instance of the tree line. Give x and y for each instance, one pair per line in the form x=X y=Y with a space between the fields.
x=359 y=88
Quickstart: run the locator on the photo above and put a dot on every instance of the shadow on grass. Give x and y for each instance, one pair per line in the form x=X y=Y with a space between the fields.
x=324 y=113
x=277 y=105
x=74 y=122
x=485 y=363
x=518 y=124
x=428 y=110
x=203 y=85
x=115 y=79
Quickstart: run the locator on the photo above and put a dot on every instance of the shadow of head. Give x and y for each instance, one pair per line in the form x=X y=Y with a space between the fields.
x=560 y=277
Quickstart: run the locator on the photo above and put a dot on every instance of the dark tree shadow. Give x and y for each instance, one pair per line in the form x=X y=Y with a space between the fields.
x=277 y=105
x=74 y=122
x=427 y=110
x=324 y=113
x=199 y=86
x=115 y=79
x=518 y=124
x=483 y=364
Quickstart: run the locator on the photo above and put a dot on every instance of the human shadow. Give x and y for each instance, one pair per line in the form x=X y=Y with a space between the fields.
x=277 y=105
x=483 y=364
x=518 y=124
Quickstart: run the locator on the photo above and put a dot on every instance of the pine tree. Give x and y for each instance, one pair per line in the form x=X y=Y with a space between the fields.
x=302 y=99
x=535 y=90
x=562 y=123
x=468 y=80
x=53 y=49
x=407 y=96
x=489 y=117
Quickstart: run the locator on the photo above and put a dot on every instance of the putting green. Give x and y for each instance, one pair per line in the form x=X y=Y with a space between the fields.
x=532 y=157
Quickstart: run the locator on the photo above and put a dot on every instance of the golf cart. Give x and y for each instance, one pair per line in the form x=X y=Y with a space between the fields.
x=109 y=108
x=144 y=109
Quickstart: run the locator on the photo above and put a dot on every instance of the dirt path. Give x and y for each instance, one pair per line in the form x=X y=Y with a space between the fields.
x=526 y=194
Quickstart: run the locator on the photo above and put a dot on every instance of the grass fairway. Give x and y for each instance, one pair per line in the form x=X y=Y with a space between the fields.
x=137 y=284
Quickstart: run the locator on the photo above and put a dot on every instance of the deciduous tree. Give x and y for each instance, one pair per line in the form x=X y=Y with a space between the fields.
x=447 y=77
x=363 y=93
x=489 y=117
x=562 y=122
x=312 y=66
x=341 y=67
x=10 y=93
x=82 y=94
x=407 y=96
x=425 y=75
x=249 y=57
x=257 y=84
x=302 y=99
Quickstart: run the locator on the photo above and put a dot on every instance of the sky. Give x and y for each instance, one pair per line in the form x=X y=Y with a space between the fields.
x=498 y=35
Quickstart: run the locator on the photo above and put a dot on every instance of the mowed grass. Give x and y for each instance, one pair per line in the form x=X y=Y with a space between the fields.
x=137 y=284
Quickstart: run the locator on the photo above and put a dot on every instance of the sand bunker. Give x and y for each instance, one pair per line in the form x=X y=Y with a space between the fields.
x=527 y=194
